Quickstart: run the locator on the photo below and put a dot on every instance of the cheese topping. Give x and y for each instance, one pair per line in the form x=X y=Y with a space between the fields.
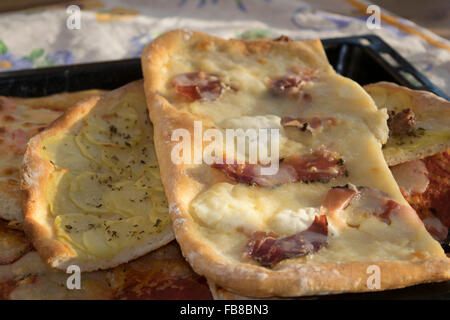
x=228 y=212
x=287 y=222
x=106 y=193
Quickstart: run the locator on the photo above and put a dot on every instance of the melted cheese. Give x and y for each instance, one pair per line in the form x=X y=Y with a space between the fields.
x=285 y=145
x=106 y=194
x=288 y=222
x=225 y=211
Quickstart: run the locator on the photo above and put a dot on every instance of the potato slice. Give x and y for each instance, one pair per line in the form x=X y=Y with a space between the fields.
x=88 y=149
x=118 y=128
x=128 y=163
x=57 y=193
x=125 y=198
x=62 y=151
x=86 y=191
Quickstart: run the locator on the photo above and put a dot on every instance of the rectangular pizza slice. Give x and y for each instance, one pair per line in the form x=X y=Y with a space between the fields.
x=315 y=210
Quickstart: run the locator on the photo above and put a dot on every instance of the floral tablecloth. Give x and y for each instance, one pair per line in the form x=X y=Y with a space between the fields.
x=117 y=29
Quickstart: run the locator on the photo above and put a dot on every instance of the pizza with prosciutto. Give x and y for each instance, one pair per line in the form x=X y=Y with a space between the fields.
x=330 y=211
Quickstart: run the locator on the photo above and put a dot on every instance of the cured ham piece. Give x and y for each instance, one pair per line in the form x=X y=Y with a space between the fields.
x=411 y=177
x=435 y=227
x=268 y=249
x=313 y=124
x=338 y=198
x=292 y=84
x=198 y=85
x=364 y=199
x=401 y=123
x=319 y=166
x=431 y=202
x=283 y=38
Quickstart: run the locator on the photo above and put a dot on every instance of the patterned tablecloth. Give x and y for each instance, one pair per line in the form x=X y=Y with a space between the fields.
x=117 y=29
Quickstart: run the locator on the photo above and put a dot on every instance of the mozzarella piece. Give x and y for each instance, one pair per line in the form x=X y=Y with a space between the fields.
x=288 y=222
x=241 y=124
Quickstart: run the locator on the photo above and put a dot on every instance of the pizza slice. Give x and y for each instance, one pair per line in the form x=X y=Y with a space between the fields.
x=425 y=184
x=20 y=119
x=419 y=122
x=161 y=274
x=92 y=192
x=329 y=214
x=416 y=151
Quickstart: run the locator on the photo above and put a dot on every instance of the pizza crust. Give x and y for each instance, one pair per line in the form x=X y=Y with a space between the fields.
x=58 y=101
x=182 y=184
x=38 y=222
x=427 y=106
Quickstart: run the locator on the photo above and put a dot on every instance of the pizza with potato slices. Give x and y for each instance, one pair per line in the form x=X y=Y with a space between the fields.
x=92 y=192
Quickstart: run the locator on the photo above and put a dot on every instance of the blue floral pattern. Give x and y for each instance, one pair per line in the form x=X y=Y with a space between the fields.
x=36 y=59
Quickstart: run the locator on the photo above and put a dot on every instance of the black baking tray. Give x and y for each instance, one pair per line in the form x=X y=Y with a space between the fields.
x=365 y=59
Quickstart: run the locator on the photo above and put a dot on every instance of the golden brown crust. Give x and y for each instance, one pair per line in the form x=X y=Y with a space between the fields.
x=182 y=184
x=35 y=174
x=59 y=101
x=390 y=95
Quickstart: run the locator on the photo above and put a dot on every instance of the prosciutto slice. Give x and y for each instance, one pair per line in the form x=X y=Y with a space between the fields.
x=401 y=123
x=320 y=165
x=291 y=84
x=411 y=177
x=198 y=85
x=268 y=249
x=364 y=199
